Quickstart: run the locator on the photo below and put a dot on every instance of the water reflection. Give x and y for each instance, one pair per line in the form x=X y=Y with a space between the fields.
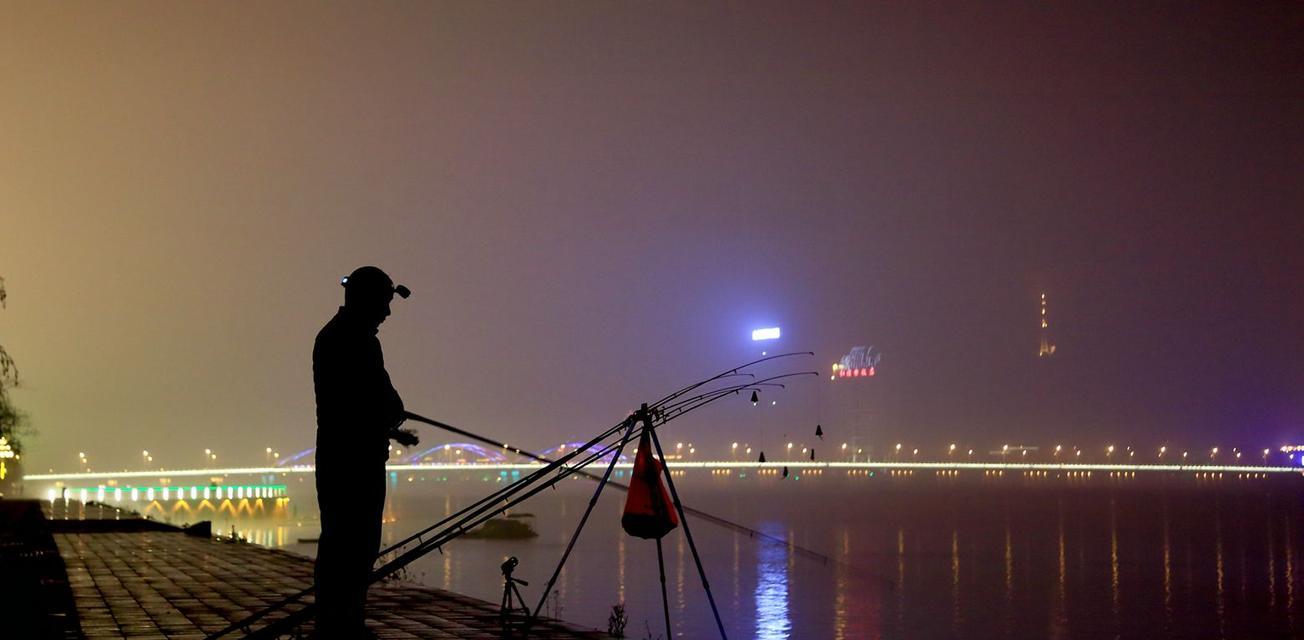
x=1290 y=567
x=1218 y=562
x=1008 y=619
x=1115 y=592
x=1173 y=561
x=1272 y=568
x=842 y=588
x=1168 y=573
x=620 y=566
x=1058 y=623
x=772 y=621
x=955 y=580
x=901 y=578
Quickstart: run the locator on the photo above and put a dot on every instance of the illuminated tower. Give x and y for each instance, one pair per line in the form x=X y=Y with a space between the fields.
x=1047 y=348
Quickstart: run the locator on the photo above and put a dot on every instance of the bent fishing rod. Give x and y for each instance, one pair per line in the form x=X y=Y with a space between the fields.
x=695 y=403
x=467 y=522
x=665 y=412
x=483 y=510
x=660 y=410
x=477 y=507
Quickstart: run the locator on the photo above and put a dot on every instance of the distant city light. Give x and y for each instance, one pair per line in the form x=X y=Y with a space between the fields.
x=767 y=333
x=860 y=362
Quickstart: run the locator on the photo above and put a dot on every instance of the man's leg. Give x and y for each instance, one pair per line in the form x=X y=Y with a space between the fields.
x=343 y=563
x=369 y=521
x=330 y=569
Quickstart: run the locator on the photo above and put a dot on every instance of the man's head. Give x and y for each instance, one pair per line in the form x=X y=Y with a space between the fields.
x=368 y=292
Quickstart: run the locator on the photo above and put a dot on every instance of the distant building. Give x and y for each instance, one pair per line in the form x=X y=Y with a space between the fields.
x=860 y=362
x=1047 y=348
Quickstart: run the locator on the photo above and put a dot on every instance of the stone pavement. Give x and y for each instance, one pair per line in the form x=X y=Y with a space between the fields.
x=135 y=578
x=162 y=584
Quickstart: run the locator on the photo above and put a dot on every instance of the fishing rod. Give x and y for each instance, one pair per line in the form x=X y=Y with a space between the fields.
x=714 y=519
x=480 y=512
x=482 y=515
x=726 y=373
x=489 y=499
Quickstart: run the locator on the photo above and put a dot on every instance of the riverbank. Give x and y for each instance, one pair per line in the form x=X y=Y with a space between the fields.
x=88 y=571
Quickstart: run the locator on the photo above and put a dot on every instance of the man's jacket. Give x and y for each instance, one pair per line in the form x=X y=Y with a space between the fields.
x=357 y=406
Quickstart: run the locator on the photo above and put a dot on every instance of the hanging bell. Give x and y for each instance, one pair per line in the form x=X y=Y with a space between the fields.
x=755 y=398
x=819 y=432
x=762 y=460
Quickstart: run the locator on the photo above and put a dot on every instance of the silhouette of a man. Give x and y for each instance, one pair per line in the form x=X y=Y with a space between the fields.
x=358 y=412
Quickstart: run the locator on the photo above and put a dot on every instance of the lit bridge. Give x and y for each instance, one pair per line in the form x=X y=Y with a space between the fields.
x=718 y=467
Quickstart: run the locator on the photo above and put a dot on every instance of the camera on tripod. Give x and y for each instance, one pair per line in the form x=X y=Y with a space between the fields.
x=510 y=565
x=513 y=601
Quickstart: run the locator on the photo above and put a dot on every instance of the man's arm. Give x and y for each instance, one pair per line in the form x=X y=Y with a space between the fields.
x=393 y=406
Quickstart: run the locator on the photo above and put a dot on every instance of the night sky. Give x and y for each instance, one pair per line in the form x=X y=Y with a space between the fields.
x=596 y=202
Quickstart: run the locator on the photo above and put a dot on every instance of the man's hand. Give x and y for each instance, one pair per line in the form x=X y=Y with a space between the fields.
x=405 y=437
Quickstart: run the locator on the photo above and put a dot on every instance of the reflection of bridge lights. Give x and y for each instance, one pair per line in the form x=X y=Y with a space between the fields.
x=772 y=621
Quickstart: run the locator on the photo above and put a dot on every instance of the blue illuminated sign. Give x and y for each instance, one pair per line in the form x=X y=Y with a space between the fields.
x=768 y=333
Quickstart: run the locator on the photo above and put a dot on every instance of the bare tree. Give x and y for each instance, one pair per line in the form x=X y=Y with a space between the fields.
x=11 y=420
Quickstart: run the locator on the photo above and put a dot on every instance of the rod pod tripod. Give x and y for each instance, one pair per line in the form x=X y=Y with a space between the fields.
x=642 y=421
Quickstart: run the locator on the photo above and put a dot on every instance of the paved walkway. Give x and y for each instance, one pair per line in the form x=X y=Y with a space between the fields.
x=163 y=583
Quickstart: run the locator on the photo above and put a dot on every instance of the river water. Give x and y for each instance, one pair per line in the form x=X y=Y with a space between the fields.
x=907 y=558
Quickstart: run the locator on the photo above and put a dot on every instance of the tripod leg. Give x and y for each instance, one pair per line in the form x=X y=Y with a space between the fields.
x=520 y=599
x=688 y=535
x=629 y=430
x=665 y=602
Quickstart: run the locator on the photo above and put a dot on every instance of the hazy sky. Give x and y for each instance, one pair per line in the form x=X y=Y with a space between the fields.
x=596 y=202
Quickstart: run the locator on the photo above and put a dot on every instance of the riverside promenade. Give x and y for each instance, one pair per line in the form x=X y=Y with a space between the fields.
x=133 y=578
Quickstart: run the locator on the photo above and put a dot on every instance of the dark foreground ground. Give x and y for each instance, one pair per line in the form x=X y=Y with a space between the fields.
x=85 y=571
